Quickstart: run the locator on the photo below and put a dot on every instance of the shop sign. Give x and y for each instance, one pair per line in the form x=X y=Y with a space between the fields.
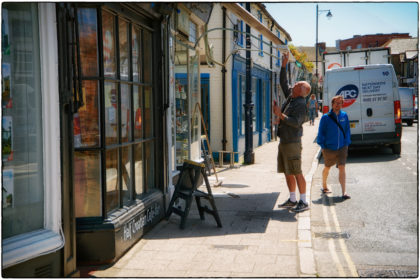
x=139 y=222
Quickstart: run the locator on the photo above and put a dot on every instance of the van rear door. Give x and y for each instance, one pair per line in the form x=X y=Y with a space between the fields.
x=345 y=82
x=376 y=94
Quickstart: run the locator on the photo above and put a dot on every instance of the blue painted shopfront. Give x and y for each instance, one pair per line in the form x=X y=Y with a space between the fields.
x=260 y=99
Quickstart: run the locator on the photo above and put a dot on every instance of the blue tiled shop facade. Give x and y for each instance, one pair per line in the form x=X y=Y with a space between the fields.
x=261 y=100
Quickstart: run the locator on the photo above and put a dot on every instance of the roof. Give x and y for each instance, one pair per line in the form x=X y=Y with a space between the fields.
x=262 y=7
x=399 y=45
x=411 y=54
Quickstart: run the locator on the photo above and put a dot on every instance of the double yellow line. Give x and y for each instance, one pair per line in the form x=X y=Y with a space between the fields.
x=331 y=244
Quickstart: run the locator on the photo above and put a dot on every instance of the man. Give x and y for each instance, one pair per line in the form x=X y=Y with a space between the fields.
x=290 y=118
x=334 y=139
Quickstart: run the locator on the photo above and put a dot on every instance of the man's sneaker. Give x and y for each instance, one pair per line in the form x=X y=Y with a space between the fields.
x=302 y=206
x=288 y=204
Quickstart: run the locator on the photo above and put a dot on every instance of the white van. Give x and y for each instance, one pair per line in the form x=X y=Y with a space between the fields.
x=408 y=104
x=371 y=100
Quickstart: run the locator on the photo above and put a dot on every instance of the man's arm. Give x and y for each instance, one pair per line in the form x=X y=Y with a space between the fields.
x=283 y=75
x=320 y=139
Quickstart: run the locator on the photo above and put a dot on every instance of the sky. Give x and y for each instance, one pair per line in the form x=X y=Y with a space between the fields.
x=349 y=19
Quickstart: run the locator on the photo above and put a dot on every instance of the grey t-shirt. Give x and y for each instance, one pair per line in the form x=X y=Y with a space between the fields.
x=290 y=129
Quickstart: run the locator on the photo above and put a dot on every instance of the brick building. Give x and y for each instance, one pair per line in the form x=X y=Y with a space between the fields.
x=368 y=41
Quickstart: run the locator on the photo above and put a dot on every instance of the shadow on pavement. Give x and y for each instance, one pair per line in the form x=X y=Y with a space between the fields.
x=329 y=200
x=248 y=213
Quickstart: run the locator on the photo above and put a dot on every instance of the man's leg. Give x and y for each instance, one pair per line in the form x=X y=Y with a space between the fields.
x=325 y=173
x=342 y=177
x=303 y=204
x=291 y=185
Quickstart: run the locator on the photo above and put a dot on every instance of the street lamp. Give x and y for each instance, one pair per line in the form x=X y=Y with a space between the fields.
x=329 y=16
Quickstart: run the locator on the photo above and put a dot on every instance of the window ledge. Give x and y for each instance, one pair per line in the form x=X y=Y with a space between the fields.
x=30 y=245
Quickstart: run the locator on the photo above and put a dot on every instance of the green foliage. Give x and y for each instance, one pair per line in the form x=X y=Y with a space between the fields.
x=301 y=57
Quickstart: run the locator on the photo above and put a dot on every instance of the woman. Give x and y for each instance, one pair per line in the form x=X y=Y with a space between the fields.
x=313 y=108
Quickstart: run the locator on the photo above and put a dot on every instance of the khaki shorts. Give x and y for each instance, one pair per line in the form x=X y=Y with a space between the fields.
x=332 y=157
x=289 y=159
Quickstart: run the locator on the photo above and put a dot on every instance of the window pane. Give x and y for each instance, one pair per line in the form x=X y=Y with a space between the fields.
x=138 y=105
x=243 y=90
x=22 y=149
x=86 y=121
x=149 y=164
x=88 y=30
x=125 y=112
x=136 y=54
x=148 y=56
x=148 y=112
x=124 y=50
x=264 y=105
x=87 y=184
x=254 y=101
x=112 y=197
x=111 y=114
x=181 y=100
x=138 y=168
x=126 y=175
x=195 y=95
x=108 y=23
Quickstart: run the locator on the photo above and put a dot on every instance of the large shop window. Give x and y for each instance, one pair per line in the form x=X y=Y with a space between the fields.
x=22 y=149
x=30 y=133
x=186 y=122
x=114 y=129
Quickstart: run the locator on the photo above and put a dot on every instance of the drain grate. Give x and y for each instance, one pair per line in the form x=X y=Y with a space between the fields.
x=388 y=273
x=333 y=235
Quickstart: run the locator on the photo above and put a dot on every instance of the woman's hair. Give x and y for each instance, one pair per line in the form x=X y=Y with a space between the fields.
x=337 y=97
x=313 y=95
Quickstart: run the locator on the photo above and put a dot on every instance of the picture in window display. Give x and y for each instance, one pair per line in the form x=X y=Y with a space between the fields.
x=182 y=149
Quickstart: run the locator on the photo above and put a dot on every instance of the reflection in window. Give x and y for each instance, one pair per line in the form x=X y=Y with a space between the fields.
x=125 y=112
x=112 y=180
x=111 y=114
x=108 y=23
x=138 y=168
x=88 y=42
x=135 y=42
x=22 y=139
x=126 y=175
x=149 y=163
x=138 y=118
x=148 y=112
x=86 y=120
x=124 y=49
x=87 y=175
x=147 y=42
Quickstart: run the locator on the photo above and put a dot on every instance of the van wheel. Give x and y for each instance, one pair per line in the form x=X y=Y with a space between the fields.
x=396 y=149
x=409 y=122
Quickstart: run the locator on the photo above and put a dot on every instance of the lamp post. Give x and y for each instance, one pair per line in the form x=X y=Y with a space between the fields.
x=329 y=15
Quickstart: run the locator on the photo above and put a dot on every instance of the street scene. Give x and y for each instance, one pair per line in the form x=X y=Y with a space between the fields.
x=203 y=140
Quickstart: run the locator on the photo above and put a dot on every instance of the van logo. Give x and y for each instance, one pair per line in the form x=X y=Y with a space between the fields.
x=385 y=73
x=349 y=93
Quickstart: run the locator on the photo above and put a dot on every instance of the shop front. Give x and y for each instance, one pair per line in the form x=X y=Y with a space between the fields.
x=118 y=159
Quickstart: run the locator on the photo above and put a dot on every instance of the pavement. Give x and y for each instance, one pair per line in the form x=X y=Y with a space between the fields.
x=257 y=239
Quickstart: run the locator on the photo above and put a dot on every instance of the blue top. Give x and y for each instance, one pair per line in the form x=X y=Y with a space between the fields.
x=330 y=135
x=312 y=103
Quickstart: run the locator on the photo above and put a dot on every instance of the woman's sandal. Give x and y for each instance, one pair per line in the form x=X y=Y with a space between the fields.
x=324 y=191
x=346 y=196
